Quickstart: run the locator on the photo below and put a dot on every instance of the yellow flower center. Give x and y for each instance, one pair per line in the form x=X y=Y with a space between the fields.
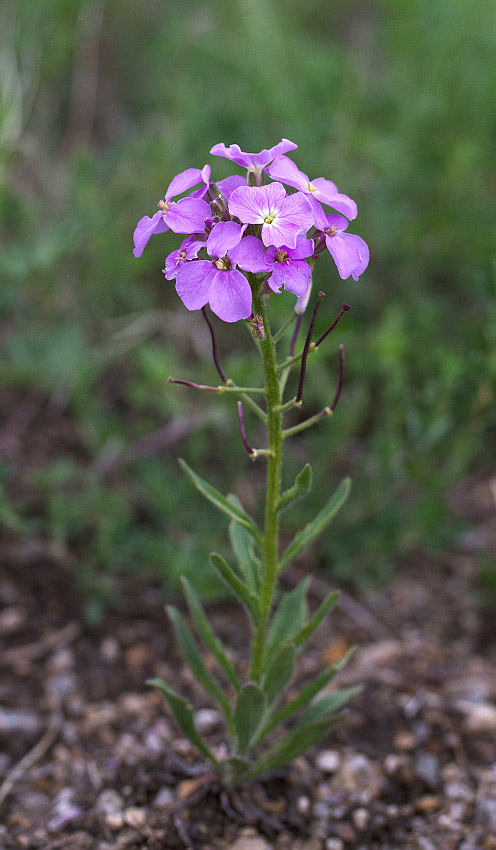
x=269 y=219
x=311 y=187
x=164 y=206
x=223 y=264
x=282 y=257
x=332 y=230
x=182 y=256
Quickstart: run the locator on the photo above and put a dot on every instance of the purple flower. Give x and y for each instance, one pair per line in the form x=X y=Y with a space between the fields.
x=253 y=161
x=217 y=281
x=288 y=267
x=282 y=216
x=189 y=250
x=322 y=190
x=186 y=216
x=349 y=252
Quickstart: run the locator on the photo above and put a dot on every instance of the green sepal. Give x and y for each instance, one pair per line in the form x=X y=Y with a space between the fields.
x=184 y=717
x=207 y=634
x=300 y=488
x=304 y=697
x=237 y=586
x=242 y=544
x=250 y=707
x=306 y=535
x=292 y=745
x=289 y=618
x=279 y=672
x=315 y=621
x=220 y=501
x=192 y=657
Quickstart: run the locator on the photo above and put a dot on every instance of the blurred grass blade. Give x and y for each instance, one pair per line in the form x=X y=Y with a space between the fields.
x=300 y=488
x=220 y=501
x=306 y=535
x=315 y=621
x=289 y=618
x=248 y=599
x=208 y=636
x=183 y=715
x=250 y=707
x=192 y=657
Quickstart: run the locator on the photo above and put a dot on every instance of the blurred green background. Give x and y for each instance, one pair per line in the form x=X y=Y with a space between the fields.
x=101 y=103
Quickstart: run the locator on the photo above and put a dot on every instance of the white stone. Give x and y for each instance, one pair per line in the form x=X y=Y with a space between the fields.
x=328 y=761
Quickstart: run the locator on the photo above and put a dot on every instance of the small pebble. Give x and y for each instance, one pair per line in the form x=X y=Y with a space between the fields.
x=109 y=801
x=334 y=844
x=164 y=797
x=114 y=821
x=249 y=839
x=404 y=741
x=303 y=805
x=479 y=716
x=328 y=761
x=206 y=720
x=360 y=775
x=485 y=814
x=135 y=816
x=360 y=818
x=109 y=649
x=426 y=767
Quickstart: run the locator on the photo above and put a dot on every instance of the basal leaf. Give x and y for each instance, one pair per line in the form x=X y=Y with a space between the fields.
x=326 y=706
x=183 y=715
x=220 y=501
x=300 y=488
x=289 y=617
x=207 y=634
x=250 y=707
x=292 y=745
x=306 y=535
x=278 y=673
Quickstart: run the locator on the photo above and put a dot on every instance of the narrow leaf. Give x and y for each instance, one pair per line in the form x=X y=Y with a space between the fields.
x=206 y=632
x=289 y=617
x=183 y=715
x=220 y=501
x=315 y=621
x=292 y=745
x=300 y=488
x=242 y=544
x=248 y=599
x=192 y=657
x=306 y=535
x=278 y=674
x=327 y=705
x=248 y=713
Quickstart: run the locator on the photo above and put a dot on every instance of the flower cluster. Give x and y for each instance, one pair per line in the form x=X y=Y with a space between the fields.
x=235 y=226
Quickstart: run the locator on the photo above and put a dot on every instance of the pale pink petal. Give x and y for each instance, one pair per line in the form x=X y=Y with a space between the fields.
x=294 y=275
x=327 y=193
x=247 y=204
x=188 y=215
x=223 y=236
x=284 y=169
x=349 y=252
x=229 y=184
x=336 y=221
x=319 y=215
x=304 y=248
x=182 y=182
x=249 y=255
x=193 y=282
x=145 y=228
x=230 y=296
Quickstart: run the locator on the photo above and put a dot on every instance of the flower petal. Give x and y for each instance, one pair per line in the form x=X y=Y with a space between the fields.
x=187 y=215
x=284 y=169
x=247 y=203
x=183 y=181
x=349 y=252
x=294 y=275
x=193 y=282
x=230 y=296
x=223 y=236
x=249 y=255
x=229 y=184
x=145 y=228
x=327 y=193
x=252 y=160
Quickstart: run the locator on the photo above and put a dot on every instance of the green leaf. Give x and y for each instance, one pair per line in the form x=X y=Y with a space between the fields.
x=289 y=618
x=301 y=701
x=192 y=657
x=278 y=674
x=250 y=707
x=242 y=544
x=220 y=501
x=248 y=599
x=300 y=488
x=206 y=632
x=183 y=715
x=327 y=705
x=292 y=745
x=306 y=535
x=315 y=621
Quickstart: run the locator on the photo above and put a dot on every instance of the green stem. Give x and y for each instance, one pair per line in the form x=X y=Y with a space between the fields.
x=273 y=487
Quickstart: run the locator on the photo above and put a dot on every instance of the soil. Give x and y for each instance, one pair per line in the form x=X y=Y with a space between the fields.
x=90 y=757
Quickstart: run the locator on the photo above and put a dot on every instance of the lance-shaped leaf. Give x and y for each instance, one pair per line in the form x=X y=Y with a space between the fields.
x=304 y=697
x=327 y=705
x=237 y=586
x=306 y=535
x=300 y=488
x=243 y=547
x=207 y=634
x=220 y=501
x=292 y=745
x=192 y=657
x=250 y=707
x=183 y=715
x=278 y=673
x=316 y=619
x=289 y=617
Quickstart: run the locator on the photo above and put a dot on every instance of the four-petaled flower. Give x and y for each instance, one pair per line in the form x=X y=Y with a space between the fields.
x=217 y=282
x=283 y=217
x=284 y=169
x=288 y=267
x=185 y=216
x=189 y=250
x=349 y=252
x=255 y=162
